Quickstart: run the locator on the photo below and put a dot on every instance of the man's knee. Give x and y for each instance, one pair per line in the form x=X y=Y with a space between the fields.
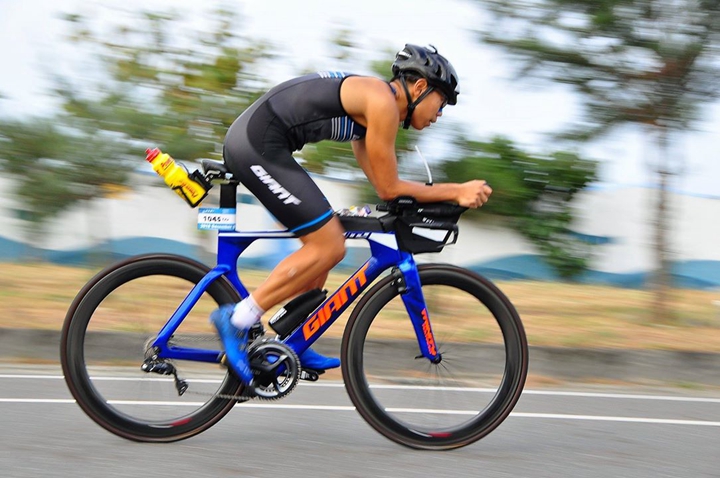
x=329 y=242
x=330 y=252
x=338 y=251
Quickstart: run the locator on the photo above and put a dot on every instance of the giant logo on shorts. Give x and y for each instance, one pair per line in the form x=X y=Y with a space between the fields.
x=274 y=186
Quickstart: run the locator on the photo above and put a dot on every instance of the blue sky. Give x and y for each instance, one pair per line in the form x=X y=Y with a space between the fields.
x=490 y=102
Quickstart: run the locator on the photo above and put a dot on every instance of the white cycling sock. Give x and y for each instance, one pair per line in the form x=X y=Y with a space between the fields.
x=246 y=314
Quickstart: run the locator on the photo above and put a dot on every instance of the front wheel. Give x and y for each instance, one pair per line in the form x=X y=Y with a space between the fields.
x=104 y=341
x=444 y=405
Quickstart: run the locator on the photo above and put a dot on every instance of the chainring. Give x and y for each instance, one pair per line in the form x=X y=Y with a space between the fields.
x=276 y=369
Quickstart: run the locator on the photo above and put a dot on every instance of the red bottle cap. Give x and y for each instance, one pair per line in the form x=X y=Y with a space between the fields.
x=151 y=154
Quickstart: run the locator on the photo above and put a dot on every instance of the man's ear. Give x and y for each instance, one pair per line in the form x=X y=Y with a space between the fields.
x=420 y=86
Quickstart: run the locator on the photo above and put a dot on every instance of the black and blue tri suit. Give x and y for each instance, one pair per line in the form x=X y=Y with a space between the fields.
x=259 y=145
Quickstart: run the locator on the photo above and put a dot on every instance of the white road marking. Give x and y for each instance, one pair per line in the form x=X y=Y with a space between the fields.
x=659 y=421
x=556 y=393
x=38 y=377
x=37 y=400
x=275 y=406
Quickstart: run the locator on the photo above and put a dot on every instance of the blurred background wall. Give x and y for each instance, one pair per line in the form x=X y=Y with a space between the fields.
x=150 y=218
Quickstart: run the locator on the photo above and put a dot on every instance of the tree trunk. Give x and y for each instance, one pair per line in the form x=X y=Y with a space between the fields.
x=662 y=278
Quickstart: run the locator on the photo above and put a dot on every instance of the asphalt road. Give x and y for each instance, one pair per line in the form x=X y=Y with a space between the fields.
x=569 y=431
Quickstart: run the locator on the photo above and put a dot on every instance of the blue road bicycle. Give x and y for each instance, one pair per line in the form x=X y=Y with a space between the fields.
x=433 y=356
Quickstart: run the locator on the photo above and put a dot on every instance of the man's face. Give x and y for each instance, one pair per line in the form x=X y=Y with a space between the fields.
x=429 y=109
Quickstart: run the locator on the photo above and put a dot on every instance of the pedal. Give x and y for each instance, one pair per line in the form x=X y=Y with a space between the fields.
x=256 y=331
x=311 y=375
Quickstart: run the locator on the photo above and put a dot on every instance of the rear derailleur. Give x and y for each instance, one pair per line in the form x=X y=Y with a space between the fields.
x=160 y=366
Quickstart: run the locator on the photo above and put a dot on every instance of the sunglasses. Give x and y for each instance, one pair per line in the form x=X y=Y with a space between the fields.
x=444 y=103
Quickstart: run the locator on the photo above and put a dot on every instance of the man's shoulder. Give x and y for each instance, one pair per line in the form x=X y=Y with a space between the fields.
x=369 y=97
x=369 y=86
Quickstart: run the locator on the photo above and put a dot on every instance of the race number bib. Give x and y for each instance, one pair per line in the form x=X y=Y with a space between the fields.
x=219 y=219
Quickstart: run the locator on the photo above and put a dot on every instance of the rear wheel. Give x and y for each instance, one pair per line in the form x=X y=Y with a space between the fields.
x=457 y=401
x=106 y=334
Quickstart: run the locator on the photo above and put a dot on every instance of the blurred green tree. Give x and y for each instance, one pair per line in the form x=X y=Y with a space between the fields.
x=649 y=63
x=532 y=194
x=156 y=83
x=57 y=165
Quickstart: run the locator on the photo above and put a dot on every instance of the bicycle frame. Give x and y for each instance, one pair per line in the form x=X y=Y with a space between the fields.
x=384 y=255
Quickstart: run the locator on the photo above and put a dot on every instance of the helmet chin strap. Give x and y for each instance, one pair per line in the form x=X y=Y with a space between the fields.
x=412 y=104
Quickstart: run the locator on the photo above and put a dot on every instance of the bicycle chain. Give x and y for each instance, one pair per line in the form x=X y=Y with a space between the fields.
x=237 y=398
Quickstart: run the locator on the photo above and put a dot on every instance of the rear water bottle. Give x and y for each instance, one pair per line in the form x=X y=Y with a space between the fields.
x=296 y=311
x=192 y=187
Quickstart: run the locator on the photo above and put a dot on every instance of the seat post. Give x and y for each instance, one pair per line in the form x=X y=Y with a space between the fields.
x=228 y=195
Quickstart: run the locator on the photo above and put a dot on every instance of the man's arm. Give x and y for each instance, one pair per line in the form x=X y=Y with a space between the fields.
x=360 y=152
x=376 y=156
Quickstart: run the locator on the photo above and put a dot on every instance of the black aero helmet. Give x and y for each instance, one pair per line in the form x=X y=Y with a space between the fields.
x=429 y=64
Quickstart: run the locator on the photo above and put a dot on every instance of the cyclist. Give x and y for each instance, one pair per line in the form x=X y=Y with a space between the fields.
x=329 y=106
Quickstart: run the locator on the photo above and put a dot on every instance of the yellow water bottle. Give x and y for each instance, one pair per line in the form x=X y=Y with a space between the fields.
x=191 y=187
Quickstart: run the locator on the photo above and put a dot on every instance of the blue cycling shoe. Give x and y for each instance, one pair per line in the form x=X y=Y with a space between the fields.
x=235 y=342
x=314 y=361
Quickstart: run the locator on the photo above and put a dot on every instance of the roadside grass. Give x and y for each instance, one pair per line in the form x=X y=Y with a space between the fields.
x=554 y=314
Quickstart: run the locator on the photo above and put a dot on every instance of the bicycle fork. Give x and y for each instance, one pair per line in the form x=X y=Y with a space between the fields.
x=407 y=281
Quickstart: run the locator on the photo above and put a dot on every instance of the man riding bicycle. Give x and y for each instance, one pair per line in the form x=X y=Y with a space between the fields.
x=340 y=107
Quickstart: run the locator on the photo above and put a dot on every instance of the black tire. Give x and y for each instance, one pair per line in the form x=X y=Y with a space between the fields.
x=436 y=406
x=102 y=368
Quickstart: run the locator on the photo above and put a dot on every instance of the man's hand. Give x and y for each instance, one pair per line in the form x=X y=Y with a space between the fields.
x=474 y=193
